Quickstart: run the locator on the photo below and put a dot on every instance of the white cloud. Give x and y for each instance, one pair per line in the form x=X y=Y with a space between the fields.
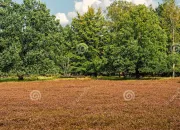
x=139 y=2
x=82 y=7
x=72 y=14
x=63 y=18
x=145 y=2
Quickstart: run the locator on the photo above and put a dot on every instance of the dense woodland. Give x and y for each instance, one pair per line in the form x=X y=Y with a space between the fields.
x=130 y=39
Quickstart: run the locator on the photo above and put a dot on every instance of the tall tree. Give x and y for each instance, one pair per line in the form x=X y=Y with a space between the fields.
x=139 y=40
x=33 y=39
x=10 y=46
x=89 y=31
x=63 y=59
x=169 y=14
x=41 y=38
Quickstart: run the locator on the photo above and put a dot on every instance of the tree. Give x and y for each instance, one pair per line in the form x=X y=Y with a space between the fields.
x=139 y=40
x=89 y=31
x=63 y=59
x=169 y=14
x=32 y=39
x=9 y=36
x=41 y=39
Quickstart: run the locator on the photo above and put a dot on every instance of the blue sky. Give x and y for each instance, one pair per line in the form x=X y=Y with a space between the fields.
x=57 y=5
x=63 y=6
x=65 y=10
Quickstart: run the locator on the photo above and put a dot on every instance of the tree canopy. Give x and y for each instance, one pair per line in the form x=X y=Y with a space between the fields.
x=135 y=40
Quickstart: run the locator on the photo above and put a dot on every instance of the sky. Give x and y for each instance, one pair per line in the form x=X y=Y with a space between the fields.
x=65 y=10
x=57 y=6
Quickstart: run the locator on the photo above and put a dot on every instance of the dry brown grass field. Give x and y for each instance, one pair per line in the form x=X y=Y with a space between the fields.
x=90 y=105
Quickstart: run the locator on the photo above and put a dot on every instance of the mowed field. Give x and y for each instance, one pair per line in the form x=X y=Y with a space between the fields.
x=90 y=105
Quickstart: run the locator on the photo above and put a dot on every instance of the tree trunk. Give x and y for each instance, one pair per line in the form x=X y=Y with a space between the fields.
x=173 y=47
x=124 y=75
x=20 y=77
x=137 y=73
x=174 y=74
x=95 y=74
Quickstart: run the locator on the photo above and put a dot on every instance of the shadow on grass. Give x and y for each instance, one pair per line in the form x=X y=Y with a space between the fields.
x=8 y=79
x=44 y=78
x=128 y=78
x=26 y=79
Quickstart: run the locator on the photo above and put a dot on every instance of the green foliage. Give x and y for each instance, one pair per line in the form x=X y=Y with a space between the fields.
x=169 y=15
x=133 y=39
x=139 y=40
x=89 y=30
x=29 y=39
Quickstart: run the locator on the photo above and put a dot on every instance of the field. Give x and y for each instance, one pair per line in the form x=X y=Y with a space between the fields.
x=90 y=105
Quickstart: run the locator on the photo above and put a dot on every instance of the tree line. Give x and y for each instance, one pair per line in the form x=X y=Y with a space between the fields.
x=132 y=39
